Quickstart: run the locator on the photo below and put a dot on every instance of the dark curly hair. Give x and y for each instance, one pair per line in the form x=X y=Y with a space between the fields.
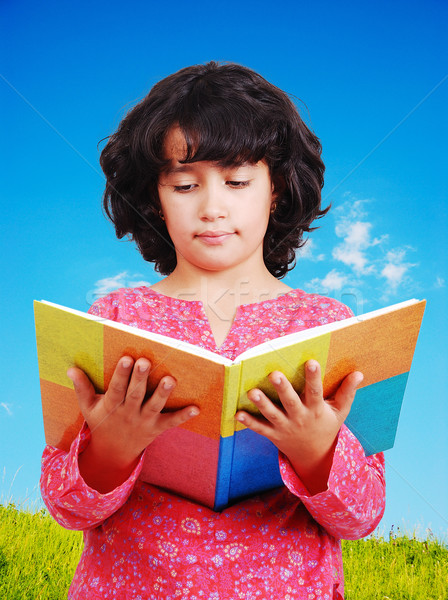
x=228 y=114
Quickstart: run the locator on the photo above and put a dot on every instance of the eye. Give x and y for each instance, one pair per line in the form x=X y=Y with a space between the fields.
x=184 y=188
x=238 y=184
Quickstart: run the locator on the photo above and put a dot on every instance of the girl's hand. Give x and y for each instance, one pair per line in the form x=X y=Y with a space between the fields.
x=122 y=423
x=304 y=428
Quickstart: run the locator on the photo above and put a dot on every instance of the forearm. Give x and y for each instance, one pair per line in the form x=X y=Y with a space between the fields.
x=314 y=471
x=102 y=471
x=69 y=499
x=353 y=502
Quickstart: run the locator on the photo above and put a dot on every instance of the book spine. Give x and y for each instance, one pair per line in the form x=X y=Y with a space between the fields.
x=226 y=447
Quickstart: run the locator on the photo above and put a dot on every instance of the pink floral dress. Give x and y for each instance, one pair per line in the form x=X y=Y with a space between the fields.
x=144 y=543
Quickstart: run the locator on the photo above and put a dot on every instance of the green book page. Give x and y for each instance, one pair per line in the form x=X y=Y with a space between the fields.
x=289 y=360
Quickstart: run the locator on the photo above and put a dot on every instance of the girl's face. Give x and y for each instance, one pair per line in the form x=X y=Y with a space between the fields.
x=216 y=216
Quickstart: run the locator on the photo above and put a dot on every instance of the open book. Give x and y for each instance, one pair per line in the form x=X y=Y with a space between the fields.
x=212 y=459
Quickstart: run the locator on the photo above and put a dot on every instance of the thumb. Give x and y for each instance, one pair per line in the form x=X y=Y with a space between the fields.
x=345 y=395
x=85 y=392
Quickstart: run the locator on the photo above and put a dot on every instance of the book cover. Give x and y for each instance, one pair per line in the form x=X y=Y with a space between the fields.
x=212 y=459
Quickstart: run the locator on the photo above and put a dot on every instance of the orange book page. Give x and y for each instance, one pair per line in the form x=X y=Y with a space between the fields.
x=380 y=348
x=62 y=417
x=199 y=381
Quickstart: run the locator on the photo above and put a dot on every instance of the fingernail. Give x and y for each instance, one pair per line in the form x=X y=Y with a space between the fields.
x=126 y=363
x=277 y=380
x=168 y=384
x=312 y=368
x=142 y=367
x=194 y=412
x=240 y=418
x=255 y=397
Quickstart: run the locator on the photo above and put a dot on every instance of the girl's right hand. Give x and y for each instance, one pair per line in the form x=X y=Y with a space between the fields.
x=122 y=424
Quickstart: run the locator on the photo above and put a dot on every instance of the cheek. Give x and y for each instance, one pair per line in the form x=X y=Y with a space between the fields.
x=177 y=225
x=170 y=213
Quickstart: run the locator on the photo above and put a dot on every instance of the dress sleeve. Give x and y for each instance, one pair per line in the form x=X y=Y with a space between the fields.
x=71 y=502
x=106 y=307
x=353 y=504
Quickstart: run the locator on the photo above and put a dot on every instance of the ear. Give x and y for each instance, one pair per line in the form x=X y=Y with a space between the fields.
x=277 y=187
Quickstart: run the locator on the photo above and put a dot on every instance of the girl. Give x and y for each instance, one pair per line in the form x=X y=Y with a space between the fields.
x=216 y=178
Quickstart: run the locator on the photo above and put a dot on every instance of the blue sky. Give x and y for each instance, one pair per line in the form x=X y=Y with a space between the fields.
x=373 y=82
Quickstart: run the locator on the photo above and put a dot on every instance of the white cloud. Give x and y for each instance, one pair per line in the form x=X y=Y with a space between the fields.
x=395 y=271
x=440 y=282
x=332 y=282
x=108 y=284
x=355 y=231
x=7 y=407
x=365 y=254
x=102 y=287
x=352 y=250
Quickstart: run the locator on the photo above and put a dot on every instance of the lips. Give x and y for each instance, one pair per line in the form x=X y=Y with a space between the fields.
x=214 y=238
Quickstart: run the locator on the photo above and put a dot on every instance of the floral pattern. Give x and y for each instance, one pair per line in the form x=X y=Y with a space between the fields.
x=144 y=543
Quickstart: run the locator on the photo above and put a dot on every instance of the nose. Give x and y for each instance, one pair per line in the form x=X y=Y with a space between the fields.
x=213 y=204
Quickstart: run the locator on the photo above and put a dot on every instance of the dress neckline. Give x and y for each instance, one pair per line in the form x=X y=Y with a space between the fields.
x=293 y=293
x=199 y=305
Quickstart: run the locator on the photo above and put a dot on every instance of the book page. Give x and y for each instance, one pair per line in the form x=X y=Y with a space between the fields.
x=307 y=334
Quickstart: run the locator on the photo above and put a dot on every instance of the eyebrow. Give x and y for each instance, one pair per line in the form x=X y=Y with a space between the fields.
x=190 y=168
x=183 y=168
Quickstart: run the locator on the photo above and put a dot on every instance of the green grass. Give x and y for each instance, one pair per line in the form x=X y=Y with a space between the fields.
x=402 y=568
x=38 y=558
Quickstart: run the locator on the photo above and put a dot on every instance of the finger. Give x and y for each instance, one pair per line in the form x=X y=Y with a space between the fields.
x=257 y=425
x=136 y=390
x=313 y=384
x=85 y=392
x=158 y=400
x=288 y=396
x=267 y=408
x=119 y=382
x=345 y=394
x=179 y=417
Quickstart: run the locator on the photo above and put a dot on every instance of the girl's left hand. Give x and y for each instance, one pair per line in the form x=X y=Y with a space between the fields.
x=305 y=427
